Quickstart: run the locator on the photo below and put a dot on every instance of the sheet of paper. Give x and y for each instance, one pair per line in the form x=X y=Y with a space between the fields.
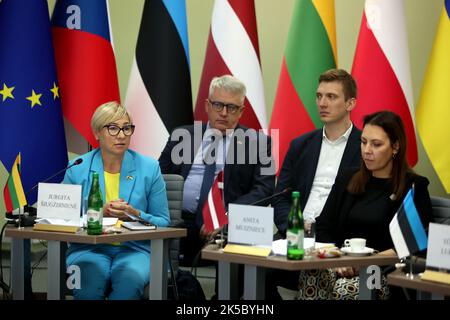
x=61 y=222
x=107 y=221
x=279 y=247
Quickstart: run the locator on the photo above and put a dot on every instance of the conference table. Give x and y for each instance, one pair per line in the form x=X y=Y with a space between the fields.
x=56 y=257
x=425 y=289
x=254 y=270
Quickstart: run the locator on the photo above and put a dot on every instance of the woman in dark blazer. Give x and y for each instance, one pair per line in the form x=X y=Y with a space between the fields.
x=363 y=201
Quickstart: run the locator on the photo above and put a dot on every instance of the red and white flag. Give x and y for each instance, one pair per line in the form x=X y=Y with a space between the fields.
x=233 y=49
x=381 y=67
x=214 y=213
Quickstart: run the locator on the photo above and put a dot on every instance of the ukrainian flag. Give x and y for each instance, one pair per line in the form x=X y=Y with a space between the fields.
x=433 y=111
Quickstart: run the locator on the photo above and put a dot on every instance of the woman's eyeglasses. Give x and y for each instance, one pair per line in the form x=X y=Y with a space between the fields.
x=114 y=130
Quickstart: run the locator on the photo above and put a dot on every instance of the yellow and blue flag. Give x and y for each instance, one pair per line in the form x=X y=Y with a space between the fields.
x=30 y=107
x=433 y=110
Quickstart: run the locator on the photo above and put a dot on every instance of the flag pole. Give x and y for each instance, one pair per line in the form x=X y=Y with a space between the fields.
x=222 y=230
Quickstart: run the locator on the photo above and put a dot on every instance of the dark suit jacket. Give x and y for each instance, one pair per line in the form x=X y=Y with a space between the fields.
x=332 y=221
x=243 y=183
x=299 y=168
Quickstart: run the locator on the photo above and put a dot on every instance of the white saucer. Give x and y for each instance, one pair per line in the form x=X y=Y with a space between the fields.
x=365 y=252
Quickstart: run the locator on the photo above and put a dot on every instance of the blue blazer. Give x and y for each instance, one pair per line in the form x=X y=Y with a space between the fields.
x=141 y=185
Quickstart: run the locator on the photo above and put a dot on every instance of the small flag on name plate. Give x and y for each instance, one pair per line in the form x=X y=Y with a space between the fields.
x=214 y=213
x=407 y=231
x=13 y=193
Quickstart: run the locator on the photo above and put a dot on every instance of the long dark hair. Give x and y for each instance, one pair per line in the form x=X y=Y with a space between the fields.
x=392 y=124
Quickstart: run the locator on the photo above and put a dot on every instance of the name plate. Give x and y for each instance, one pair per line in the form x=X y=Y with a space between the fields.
x=59 y=201
x=438 y=253
x=250 y=225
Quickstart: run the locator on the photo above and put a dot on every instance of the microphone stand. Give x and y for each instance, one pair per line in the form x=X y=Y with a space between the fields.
x=29 y=220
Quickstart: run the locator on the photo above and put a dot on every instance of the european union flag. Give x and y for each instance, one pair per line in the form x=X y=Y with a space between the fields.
x=30 y=107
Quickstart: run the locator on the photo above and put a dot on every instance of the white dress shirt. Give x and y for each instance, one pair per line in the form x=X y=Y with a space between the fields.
x=330 y=157
x=193 y=183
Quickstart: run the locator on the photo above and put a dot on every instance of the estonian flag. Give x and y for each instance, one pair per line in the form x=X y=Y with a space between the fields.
x=159 y=90
x=407 y=231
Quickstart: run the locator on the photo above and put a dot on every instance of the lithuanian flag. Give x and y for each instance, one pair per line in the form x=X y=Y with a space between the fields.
x=13 y=191
x=433 y=111
x=310 y=51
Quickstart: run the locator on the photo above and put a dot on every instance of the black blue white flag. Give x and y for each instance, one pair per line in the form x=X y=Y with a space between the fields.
x=407 y=231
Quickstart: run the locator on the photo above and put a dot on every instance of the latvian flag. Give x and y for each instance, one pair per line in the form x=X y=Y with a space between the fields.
x=214 y=213
x=407 y=232
x=233 y=49
x=13 y=192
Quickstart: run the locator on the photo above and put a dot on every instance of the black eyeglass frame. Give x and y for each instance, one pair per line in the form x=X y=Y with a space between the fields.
x=108 y=126
x=218 y=106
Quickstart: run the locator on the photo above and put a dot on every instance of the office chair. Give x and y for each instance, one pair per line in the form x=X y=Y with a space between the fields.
x=441 y=210
x=174 y=190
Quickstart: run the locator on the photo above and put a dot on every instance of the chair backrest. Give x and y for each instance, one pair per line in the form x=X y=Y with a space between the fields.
x=441 y=210
x=174 y=189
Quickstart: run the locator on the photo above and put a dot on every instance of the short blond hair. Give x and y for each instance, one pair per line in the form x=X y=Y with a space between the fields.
x=229 y=84
x=107 y=113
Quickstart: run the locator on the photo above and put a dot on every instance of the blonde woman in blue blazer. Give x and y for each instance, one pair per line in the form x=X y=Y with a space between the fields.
x=130 y=184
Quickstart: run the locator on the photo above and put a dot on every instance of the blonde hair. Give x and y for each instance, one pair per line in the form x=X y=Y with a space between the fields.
x=107 y=113
x=229 y=84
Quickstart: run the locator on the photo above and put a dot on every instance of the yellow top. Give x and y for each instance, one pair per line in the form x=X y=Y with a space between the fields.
x=112 y=181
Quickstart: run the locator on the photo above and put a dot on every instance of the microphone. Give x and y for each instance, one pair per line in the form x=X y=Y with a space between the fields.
x=222 y=237
x=75 y=163
x=30 y=210
x=286 y=190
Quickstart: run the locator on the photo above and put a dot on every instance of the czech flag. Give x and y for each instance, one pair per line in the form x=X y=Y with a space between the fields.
x=85 y=61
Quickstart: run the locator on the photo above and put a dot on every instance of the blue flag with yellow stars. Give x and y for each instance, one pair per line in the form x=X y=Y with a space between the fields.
x=30 y=107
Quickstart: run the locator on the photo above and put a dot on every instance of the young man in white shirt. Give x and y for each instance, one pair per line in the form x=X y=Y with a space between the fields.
x=314 y=160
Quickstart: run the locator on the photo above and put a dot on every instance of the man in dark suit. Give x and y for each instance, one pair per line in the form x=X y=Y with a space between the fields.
x=315 y=158
x=243 y=154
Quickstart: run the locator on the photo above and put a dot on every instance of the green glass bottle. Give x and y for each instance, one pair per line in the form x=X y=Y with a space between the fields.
x=295 y=230
x=95 y=208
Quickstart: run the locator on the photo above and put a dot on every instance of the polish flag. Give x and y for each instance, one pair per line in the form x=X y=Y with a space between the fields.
x=214 y=213
x=381 y=67
x=233 y=49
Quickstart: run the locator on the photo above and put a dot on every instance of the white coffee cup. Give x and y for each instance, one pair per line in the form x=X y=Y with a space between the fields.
x=355 y=244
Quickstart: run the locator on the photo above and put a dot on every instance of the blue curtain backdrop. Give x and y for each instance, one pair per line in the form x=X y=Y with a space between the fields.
x=30 y=106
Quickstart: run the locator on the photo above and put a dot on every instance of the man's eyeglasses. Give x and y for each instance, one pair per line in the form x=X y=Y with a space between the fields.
x=218 y=106
x=114 y=130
